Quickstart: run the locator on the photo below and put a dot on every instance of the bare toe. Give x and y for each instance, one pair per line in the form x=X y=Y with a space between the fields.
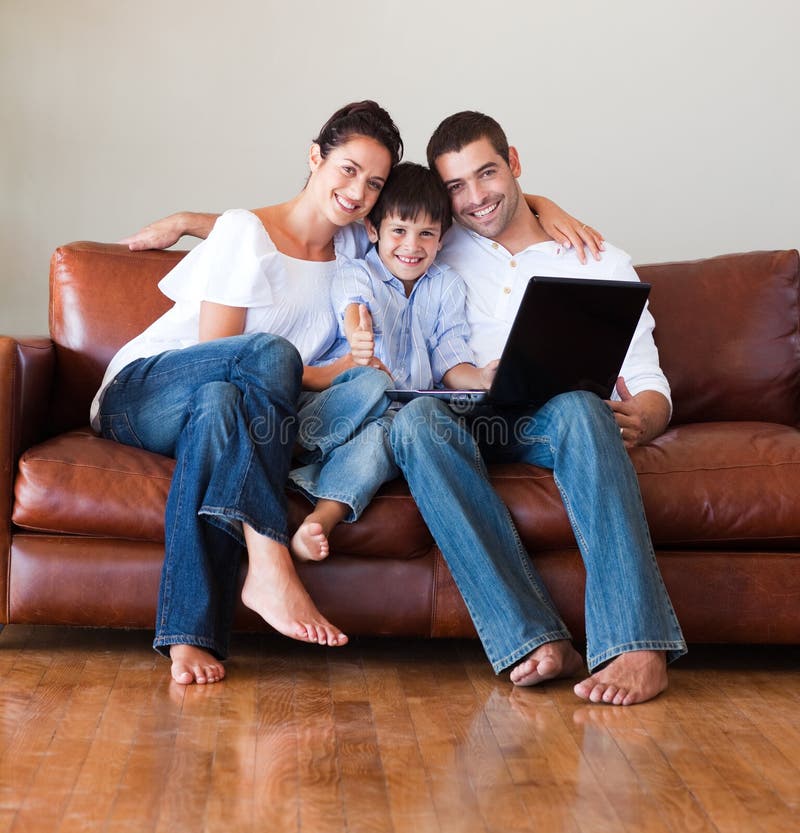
x=551 y=661
x=633 y=677
x=310 y=543
x=273 y=589
x=191 y=664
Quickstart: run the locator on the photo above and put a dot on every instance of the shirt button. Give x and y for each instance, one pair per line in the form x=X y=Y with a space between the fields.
x=495 y=245
x=507 y=290
x=513 y=264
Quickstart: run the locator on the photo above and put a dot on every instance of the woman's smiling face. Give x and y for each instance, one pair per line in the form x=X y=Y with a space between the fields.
x=348 y=180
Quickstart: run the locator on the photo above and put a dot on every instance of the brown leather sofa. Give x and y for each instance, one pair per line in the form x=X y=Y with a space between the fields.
x=81 y=535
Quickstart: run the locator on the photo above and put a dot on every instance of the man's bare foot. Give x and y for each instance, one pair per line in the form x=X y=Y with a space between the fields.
x=191 y=664
x=310 y=543
x=632 y=677
x=551 y=661
x=274 y=591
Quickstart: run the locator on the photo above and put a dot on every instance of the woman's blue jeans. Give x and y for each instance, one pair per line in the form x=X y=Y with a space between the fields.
x=575 y=435
x=226 y=411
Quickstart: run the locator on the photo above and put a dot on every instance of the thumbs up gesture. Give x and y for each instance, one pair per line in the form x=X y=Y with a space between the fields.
x=361 y=338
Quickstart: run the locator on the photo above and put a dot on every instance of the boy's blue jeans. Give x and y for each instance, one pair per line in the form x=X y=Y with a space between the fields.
x=344 y=431
x=226 y=410
x=575 y=435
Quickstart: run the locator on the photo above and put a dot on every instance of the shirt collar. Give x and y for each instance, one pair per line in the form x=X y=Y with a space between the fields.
x=546 y=247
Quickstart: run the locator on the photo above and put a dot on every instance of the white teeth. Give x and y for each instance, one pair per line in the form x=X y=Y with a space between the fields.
x=350 y=206
x=410 y=260
x=484 y=211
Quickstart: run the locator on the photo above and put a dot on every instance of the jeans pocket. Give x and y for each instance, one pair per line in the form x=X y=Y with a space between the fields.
x=116 y=427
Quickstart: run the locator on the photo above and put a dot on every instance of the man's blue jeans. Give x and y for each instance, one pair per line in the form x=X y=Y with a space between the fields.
x=226 y=410
x=575 y=435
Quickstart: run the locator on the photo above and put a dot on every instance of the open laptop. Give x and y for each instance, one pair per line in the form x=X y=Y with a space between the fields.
x=568 y=334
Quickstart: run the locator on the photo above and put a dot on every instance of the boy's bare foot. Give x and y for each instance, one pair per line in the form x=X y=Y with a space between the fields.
x=553 y=660
x=632 y=677
x=310 y=543
x=274 y=591
x=191 y=664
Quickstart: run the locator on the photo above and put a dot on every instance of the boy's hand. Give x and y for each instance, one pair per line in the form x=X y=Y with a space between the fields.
x=362 y=340
x=488 y=373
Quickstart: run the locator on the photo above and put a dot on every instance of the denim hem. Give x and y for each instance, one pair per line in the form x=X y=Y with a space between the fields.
x=673 y=648
x=527 y=648
x=162 y=644
x=225 y=519
x=355 y=508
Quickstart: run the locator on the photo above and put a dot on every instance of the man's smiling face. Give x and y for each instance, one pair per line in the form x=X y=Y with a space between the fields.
x=483 y=188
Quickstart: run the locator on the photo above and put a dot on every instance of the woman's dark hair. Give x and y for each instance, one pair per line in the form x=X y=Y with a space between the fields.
x=411 y=190
x=461 y=129
x=361 y=118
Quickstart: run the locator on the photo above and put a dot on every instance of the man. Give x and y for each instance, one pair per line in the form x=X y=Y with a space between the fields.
x=631 y=627
x=496 y=245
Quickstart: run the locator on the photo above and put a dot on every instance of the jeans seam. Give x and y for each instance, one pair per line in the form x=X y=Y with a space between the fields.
x=677 y=647
x=168 y=640
x=529 y=647
x=355 y=506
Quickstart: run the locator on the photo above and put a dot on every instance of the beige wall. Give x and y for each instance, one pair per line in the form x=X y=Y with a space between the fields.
x=671 y=126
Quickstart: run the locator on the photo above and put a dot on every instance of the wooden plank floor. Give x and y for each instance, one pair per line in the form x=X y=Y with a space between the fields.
x=387 y=736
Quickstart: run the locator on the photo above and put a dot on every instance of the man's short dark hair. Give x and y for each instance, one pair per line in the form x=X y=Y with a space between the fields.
x=409 y=191
x=461 y=129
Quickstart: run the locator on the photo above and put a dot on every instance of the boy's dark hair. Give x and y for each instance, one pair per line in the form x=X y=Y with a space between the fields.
x=410 y=190
x=461 y=129
x=361 y=118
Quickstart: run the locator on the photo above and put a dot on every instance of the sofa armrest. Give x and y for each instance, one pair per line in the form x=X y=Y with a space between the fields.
x=27 y=368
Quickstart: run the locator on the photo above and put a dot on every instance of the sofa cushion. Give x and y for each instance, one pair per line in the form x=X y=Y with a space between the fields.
x=81 y=484
x=728 y=335
x=707 y=485
x=716 y=485
x=723 y=485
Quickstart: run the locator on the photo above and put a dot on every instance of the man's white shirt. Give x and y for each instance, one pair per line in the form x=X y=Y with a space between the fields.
x=496 y=281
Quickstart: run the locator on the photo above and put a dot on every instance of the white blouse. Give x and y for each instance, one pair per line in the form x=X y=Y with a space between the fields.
x=239 y=266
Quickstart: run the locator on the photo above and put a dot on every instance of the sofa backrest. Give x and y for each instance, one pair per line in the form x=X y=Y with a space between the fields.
x=727 y=334
x=726 y=328
x=101 y=296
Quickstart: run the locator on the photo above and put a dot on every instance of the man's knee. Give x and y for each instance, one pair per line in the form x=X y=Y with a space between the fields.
x=423 y=420
x=579 y=404
x=584 y=412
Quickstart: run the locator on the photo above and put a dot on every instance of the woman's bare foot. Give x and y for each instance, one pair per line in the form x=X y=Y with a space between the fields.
x=551 y=661
x=310 y=543
x=274 y=591
x=191 y=664
x=632 y=677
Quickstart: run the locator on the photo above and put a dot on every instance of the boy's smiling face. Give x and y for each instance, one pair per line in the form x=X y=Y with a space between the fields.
x=407 y=248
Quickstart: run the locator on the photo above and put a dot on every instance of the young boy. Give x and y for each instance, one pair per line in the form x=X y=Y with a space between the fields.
x=399 y=307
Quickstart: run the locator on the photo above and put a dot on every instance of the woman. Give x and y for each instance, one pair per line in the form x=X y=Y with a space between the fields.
x=214 y=383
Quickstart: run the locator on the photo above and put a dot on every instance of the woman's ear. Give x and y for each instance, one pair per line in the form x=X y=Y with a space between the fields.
x=314 y=157
x=372 y=232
